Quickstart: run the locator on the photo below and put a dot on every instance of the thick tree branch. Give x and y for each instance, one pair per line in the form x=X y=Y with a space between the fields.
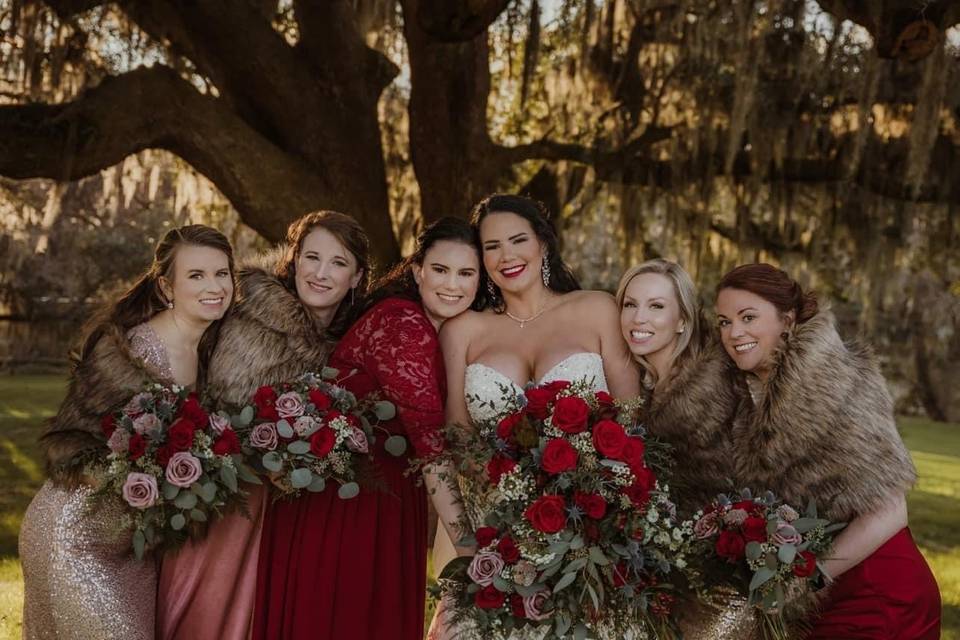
x=156 y=108
x=457 y=20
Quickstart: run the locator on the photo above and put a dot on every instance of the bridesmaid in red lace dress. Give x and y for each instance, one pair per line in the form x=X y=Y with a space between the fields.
x=336 y=569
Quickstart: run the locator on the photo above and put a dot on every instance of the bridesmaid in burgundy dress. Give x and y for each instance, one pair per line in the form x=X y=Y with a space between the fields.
x=815 y=420
x=336 y=569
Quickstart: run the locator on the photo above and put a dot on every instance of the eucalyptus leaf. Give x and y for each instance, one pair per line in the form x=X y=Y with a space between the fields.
x=529 y=591
x=348 y=490
x=385 y=410
x=246 y=473
x=298 y=447
x=186 y=500
x=561 y=626
x=177 y=521
x=787 y=553
x=208 y=492
x=502 y=585
x=329 y=373
x=317 y=485
x=139 y=542
x=284 y=430
x=272 y=461
x=170 y=491
x=598 y=557
x=559 y=548
x=396 y=445
x=576 y=543
x=246 y=416
x=575 y=565
x=580 y=632
x=300 y=478
x=198 y=515
x=760 y=577
x=228 y=476
x=753 y=550
x=565 y=581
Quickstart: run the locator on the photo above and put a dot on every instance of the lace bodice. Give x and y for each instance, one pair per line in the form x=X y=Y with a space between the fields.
x=486 y=389
x=146 y=345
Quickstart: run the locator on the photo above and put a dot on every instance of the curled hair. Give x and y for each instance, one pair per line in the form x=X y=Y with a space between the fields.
x=535 y=212
x=774 y=286
x=350 y=234
x=144 y=299
x=690 y=341
x=399 y=282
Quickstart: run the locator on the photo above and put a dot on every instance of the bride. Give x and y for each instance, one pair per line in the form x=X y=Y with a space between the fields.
x=542 y=328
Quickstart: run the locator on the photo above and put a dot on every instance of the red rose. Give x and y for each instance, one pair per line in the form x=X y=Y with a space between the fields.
x=516 y=606
x=227 y=443
x=507 y=425
x=484 y=536
x=559 y=456
x=591 y=504
x=180 y=434
x=604 y=399
x=570 y=414
x=556 y=387
x=805 y=564
x=264 y=396
x=639 y=491
x=489 y=598
x=609 y=438
x=108 y=424
x=137 y=446
x=730 y=545
x=548 y=514
x=164 y=454
x=755 y=529
x=192 y=411
x=268 y=412
x=633 y=451
x=322 y=441
x=320 y=400
x=538 y=402
x=499 y=465
x=508 y=550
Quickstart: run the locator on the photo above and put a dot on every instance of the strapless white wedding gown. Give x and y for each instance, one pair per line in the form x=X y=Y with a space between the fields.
x=489 y=394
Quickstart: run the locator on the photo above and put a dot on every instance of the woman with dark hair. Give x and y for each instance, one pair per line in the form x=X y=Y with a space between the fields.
x=541 y=328
x=333 y=568
x=80 y=577
x=289 y=309
x=815 y=420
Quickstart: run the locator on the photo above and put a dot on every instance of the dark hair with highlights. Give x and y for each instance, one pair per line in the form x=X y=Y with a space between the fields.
x=398 y=282
x=144 y=299
x=774 y=286
x=535 y=212
x=351 y=235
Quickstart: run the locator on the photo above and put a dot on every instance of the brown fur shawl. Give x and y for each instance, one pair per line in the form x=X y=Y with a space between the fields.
x=101 y=383
x=824 y=427
x=268 y=337
x=693 y=412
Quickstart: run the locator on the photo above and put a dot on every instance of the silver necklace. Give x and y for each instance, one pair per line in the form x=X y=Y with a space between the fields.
x=524 y=321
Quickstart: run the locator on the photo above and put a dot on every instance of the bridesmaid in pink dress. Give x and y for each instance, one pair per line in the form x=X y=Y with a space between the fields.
x=286 y=318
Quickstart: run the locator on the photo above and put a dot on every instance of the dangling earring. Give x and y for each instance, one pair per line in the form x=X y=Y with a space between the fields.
x=491 y=288
x=353 y=297
x=545 y=269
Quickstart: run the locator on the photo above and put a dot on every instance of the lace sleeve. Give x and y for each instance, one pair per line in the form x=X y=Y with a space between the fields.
x=146 y=345
x=403 y=355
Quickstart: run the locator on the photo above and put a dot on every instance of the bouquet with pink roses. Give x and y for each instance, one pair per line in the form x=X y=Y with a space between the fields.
x=579 y=536
x=311 y=431
x=766 y=550
x=172 y=463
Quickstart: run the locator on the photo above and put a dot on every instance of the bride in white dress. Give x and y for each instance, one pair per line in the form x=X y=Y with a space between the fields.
x=542 y=328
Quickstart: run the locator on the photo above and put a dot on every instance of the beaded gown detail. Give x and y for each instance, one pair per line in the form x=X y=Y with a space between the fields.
x=81 y=579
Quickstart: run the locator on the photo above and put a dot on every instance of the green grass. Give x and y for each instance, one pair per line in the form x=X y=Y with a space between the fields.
x=25 y=401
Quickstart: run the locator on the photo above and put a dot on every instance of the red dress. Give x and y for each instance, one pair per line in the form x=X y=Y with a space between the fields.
x=354 y=569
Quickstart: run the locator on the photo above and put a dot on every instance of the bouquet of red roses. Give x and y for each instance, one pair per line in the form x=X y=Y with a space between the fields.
x=766 y=550
x=310 y=431
x=172 y=463
x=579 y=537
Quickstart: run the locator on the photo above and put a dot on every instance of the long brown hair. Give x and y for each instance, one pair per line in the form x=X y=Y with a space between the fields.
x=145 y=299
x=775 y=286
x=351 y=235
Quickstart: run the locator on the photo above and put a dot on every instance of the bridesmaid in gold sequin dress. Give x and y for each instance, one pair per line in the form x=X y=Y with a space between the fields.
x=81 y=579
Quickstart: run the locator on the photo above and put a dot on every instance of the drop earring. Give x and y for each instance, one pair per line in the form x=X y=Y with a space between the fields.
x=545 y=270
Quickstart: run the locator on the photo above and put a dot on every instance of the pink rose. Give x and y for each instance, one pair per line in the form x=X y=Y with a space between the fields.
x=533 y=606
x=706 y=526
x=483 y=568
x=183 y=469
x=134 y=407
x=786 y=534
x=357 y=440
x=140 y=490
x=119 y=441
x=146 y=424
x=289 y=405
x=304 y=425
x=264 y=436
x=218 y=423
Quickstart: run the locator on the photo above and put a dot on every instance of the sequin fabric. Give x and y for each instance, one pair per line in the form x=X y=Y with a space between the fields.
x=81 y=580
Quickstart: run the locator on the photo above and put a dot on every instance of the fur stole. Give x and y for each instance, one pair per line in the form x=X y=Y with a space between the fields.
x=101 y=383
x=823 y=428
x=268 y=337
x=693 y=412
